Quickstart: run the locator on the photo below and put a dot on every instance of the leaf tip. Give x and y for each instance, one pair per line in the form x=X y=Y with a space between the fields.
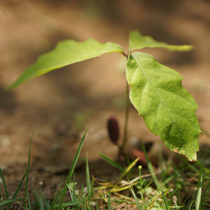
x=190 y=157
x=10 y=87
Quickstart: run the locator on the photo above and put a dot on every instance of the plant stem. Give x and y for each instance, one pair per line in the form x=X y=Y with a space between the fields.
x=125 y=54
x=126 y=121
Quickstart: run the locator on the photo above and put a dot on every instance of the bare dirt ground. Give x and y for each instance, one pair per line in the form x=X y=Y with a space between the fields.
x=60 y=105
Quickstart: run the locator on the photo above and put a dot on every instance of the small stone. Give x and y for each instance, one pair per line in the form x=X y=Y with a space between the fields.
x=134 y=141
x=55 y=146
x=207 y=162
x=85 y=189
x=3 y=167
x=92 y=203
x=5 y=141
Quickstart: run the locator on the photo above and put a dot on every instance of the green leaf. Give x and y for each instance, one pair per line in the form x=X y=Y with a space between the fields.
x=66 y=53
x=137 y=42
x=168 y=109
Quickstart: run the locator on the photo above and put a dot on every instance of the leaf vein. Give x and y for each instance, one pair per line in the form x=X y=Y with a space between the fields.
x=148 y=79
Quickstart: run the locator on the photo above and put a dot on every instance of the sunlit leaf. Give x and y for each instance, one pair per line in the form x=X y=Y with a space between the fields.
x=66 y=53
x=137 y=42
x=168 y=109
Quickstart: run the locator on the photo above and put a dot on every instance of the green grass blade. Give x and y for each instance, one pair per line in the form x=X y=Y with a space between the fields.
x=82 y=199
x=18 y=189
x=29 y=202
x=11 y=201
x=165 y=201
x=109 y=201
x=37 y=197
x=110 y=161
x=58 y=194
x=92 y=187
x=206 y=189
x=193 y=168
x=74 y=188
x=147 y=206
x=136 y=199
x=97 y=207
x=19 y=186
x=4 y=183
x=129 y=168
x=28 y=167
x=70 y=189
x=67 y=204
x=198 y=199
x=1 y=199
x=57 y=198
x=41 y=201
x=47 y=204
x=190 y=206
x=89 y=191
x=84 y=204
x=73 y=166
x=150 y=167
x=206 y=204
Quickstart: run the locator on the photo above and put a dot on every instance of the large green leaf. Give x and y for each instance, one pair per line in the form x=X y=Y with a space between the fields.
x=137 y=42
x=168 y=109
x=66 y=53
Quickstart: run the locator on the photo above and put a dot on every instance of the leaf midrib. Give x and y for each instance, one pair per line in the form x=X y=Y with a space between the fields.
x=174 y=121
x=79 y=59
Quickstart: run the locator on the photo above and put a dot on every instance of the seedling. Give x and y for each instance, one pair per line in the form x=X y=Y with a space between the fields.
x=156 y=91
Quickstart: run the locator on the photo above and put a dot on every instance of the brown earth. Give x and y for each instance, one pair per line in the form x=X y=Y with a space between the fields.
x=60 y=105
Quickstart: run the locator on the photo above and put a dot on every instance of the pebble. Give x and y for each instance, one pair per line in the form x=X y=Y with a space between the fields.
x=95 y=136
x=3 y=167
x=55 y=146
x=207 y=162
x=5 y=141
x=134 y=141
x=92 y=203
x=85 y=190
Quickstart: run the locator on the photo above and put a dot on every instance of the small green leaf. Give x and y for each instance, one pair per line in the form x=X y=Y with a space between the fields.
x=168 y=109
x=66 y=53
x=137 y=42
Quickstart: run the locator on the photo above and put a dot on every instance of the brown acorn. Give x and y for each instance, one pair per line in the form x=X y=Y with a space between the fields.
x=113 y=129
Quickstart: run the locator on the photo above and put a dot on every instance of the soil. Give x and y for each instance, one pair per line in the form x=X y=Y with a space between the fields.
x=59 y=106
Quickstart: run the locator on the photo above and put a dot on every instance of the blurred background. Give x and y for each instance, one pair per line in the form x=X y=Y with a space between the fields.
x=60 y=105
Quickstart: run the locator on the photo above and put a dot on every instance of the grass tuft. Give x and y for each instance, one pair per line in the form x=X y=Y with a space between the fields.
x=183 y=186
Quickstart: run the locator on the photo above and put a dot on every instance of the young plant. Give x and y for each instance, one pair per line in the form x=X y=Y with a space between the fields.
x=156 y=91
